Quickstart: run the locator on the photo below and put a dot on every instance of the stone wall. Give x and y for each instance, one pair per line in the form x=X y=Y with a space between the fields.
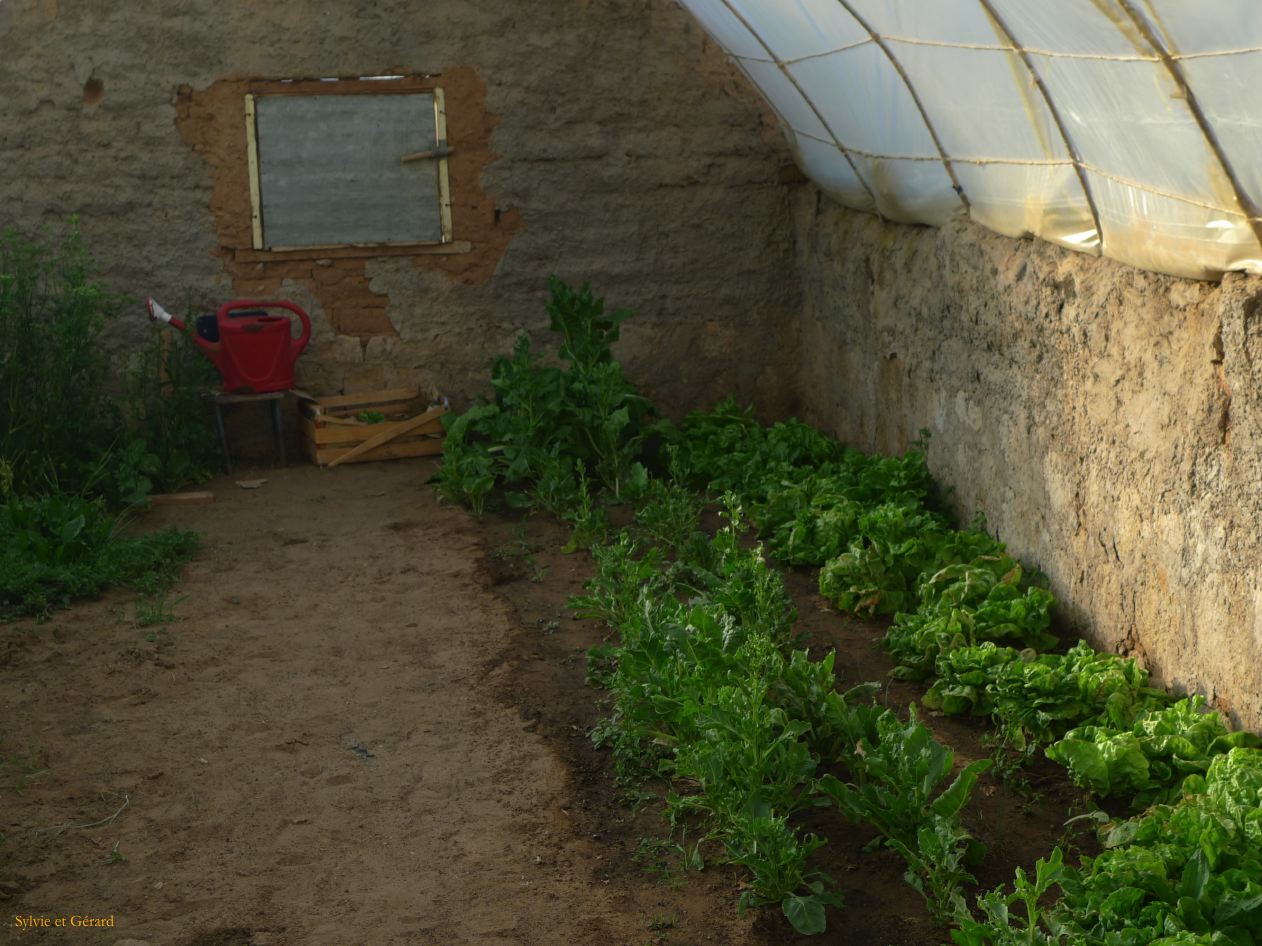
x=605 y=141
x=1106 y=421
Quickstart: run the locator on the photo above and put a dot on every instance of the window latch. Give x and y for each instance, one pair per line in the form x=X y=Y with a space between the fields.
x=440 y=151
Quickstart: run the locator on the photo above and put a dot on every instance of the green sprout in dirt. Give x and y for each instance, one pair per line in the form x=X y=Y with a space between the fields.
x=667 y=859
x=156 y=609
x=17 y=771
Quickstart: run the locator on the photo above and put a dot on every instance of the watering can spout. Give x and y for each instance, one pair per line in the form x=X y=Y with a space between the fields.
x=159 y=314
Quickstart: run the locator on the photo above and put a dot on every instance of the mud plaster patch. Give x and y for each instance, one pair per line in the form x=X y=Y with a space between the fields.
x=209 y=122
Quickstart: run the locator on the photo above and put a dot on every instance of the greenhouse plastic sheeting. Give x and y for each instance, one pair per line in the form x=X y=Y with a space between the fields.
x=1128 y=128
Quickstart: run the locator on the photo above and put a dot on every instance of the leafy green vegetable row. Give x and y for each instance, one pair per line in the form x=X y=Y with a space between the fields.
x=706 y=687
x=1186 y=874
x=1182 y=874
x=708 y=692
x=967 y=617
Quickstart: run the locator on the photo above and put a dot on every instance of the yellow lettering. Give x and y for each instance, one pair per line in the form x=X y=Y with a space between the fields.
x=79 y=920
x=29 y=921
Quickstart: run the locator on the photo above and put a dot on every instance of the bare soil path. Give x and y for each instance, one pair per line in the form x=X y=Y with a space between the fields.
x=315 y=752
x=368 y=724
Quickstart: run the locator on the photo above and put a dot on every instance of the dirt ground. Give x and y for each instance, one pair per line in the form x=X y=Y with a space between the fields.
x=367 y=724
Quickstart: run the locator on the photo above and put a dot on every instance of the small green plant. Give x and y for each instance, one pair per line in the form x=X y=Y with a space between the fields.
x=667 y=859
x=518 y=549
x=662 y=922
x=1001 y=924
x=520 y=553
x=900 y=787
x=1009 y=768
x=115 y=856
x=370 y=417
x=156 y=609
x=588 y=519
x=22 y=768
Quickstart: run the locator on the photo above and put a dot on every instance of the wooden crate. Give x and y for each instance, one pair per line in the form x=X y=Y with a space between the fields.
x=331 y=434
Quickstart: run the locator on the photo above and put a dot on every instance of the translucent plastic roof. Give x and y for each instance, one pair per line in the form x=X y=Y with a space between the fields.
x=1131 y=128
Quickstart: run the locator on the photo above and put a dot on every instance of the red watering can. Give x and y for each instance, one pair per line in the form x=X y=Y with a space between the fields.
x=254 y=351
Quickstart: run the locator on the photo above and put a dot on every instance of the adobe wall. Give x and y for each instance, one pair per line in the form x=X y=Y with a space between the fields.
x=1107 y=422
x=604 y=140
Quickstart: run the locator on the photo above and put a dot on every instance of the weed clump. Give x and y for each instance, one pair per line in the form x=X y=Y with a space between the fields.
x=73 y=453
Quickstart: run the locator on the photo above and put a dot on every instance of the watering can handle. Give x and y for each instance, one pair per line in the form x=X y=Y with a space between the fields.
x=301 y=342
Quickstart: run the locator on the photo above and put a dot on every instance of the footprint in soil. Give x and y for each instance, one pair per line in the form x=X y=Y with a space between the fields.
x=405 y=525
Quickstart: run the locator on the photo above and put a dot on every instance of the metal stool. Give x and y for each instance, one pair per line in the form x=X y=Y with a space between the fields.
x=276 y=398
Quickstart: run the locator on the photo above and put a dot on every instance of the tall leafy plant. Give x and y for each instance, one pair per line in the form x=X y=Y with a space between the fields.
x=71 y=451
x=54 y=423
x=166 y=411
x=587 y=333
x=548 y=427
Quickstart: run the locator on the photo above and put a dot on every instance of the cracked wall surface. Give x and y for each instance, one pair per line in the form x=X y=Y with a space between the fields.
x=1106 y=421
x=607 y=142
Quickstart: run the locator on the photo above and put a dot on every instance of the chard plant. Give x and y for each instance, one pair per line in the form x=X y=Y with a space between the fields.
x=547 y=423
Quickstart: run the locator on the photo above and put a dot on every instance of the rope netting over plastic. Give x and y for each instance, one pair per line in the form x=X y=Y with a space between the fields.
x=1128 y=128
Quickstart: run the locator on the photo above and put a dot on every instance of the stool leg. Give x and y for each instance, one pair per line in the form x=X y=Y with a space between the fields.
x=223 y=436
x=278 y=428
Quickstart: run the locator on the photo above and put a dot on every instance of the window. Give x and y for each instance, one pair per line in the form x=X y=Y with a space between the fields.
x=359 y=162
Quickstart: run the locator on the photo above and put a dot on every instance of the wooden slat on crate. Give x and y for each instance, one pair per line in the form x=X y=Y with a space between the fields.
x=395 y=431
x=369 y=397
x=390 y=451
x=354 y=433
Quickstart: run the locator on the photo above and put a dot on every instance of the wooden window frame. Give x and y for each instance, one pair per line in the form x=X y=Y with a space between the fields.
x=406 y=85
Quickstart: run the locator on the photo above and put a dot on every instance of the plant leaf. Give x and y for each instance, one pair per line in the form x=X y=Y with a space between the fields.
x=805 y=913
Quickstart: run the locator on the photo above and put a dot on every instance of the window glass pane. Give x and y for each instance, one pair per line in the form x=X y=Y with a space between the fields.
x=329 y=169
